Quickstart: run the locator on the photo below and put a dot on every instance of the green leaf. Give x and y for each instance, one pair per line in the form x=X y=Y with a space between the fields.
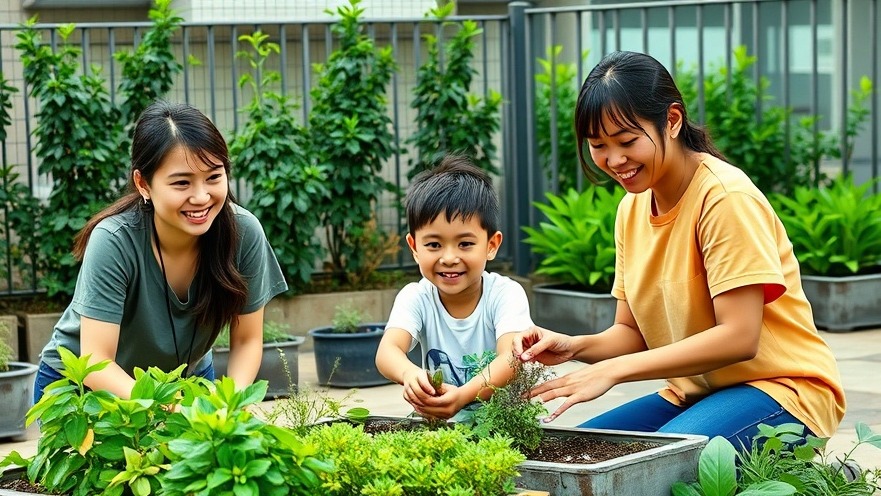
x=768 y=488
x=716 y=470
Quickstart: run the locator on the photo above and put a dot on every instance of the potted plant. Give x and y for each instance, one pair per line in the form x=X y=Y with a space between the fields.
x=345 y=352
x=578 y=244
x=16 y=388
x=279 y=365
x=836 y=235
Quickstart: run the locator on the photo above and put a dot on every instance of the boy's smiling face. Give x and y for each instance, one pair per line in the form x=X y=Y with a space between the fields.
x=453 y=255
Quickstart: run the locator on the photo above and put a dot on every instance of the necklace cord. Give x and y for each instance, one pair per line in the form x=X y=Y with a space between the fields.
x=168 y=306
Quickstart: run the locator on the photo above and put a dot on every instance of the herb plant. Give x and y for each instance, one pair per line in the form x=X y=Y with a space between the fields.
x=578 y=239
x=415 y=463
x=557 y=91
x=347 y=319
x=835 y=230
x=271 y=153
x=760 y=146
x=509 y=412
x=448 y=117
x=350 y=132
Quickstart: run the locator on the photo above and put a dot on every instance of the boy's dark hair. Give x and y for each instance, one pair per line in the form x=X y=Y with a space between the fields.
x=455 y=187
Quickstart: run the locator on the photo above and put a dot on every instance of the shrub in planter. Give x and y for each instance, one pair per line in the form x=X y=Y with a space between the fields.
x=836 y=235
x=16 y=387
x=350 y=132
x=578 y=246
x=271 y=153
x=448 y=117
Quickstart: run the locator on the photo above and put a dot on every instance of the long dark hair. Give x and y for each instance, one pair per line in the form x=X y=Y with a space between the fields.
x=627 y=86
x=161 y=128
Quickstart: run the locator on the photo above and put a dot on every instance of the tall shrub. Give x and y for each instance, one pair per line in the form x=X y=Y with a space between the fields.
x=557 y=85
x=449 y=118
x=77 y=142
x=271 y=153
x=148 y=72
x=760 y=148
x=351 y=137
x=80 y=138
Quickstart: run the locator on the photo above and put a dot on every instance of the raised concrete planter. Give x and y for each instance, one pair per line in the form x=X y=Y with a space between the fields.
x=647 y=472
x=561 y=309
x=843 y=304
x=272 y=368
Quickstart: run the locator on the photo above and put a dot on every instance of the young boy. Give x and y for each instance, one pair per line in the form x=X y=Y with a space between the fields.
x=457 y=309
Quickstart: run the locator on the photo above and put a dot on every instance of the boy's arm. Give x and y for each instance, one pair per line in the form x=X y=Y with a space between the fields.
x=391 y=356
x=497 y=374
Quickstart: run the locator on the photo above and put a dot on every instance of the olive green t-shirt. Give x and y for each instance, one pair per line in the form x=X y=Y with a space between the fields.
x=121 y=282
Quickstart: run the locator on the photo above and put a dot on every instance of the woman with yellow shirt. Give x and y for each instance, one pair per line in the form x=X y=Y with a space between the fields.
x=708 y=288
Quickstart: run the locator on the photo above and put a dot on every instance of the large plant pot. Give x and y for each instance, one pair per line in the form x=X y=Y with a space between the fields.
x=348 y=359
x=844 y=303
x=560 y=308
x=652 y=471
x=16 y=396
x=272 y=366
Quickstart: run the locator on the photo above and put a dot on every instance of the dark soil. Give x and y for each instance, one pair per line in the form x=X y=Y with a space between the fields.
x=553 y=448
x=21 y=486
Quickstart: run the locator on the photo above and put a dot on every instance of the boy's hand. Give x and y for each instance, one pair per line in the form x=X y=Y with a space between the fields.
x=445 y=405
x=417 y=387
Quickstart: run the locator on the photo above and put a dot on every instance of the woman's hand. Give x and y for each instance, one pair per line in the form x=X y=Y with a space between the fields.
x=585 y=384
x=544 y=346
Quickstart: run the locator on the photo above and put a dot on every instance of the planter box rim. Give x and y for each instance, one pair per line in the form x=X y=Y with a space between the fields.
x=833 y=279
x=674 y=443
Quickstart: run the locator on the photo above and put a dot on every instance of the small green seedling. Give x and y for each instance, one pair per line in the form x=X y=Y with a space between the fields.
x=436 y=378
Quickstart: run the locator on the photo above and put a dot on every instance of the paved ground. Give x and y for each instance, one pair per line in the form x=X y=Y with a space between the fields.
x=859 y=359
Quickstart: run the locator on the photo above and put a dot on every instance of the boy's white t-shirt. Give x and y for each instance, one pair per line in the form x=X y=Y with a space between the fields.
x=445 y=340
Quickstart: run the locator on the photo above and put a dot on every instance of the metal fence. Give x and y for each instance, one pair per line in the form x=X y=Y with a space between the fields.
x=811 y=51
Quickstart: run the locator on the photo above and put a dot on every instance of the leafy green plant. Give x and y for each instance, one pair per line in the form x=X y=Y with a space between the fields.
x=781 y=461
x=509 y=412
x=760 y=148
x=351 y=136
x=271 y=153
x=347 y=319
x=415 y=463
x=221 y=448
x=173 y=436
x=75 y=107
x=557 y=85
x=835 y=230
x=448 y=117
x=578 y=240
x=6 y=353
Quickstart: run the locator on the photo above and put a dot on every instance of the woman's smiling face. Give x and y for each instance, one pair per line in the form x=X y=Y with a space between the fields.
x=187 y=194
x=630 y=155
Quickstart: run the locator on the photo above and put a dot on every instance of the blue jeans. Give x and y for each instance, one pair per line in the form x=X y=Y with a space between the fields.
x=47 y=375
x=733 y=413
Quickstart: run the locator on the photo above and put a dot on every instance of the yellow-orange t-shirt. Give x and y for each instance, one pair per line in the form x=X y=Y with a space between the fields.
x=723 y=234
